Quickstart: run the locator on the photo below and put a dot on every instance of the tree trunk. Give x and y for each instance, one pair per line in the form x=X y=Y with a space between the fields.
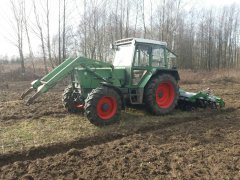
x=64 y=30
x=59 y=33
x=48 y=38
x=18 y=12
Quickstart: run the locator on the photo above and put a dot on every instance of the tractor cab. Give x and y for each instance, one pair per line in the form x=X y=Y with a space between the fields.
x=140 y=56
x=143 y=52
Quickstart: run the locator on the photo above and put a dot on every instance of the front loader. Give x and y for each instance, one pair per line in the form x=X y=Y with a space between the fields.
x=143 y=72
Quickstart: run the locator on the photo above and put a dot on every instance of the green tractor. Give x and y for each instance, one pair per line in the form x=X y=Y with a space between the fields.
x=143 y=72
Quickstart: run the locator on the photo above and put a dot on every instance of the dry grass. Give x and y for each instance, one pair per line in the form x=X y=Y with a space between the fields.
x=13 y=72
x=24 y=134
x=214 y=76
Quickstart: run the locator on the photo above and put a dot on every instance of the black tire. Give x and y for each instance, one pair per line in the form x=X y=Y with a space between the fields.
x=161 y=94
x=73 y=100
x=97 y=100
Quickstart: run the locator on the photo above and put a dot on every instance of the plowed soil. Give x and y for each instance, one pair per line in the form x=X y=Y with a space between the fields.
x=204 y=144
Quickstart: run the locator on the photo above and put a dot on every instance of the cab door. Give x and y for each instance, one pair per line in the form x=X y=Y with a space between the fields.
x=141 y=63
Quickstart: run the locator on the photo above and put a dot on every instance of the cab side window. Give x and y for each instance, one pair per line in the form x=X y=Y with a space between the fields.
x=141 y=56
x=171 y=60
x=141 y=61
x=158 y=57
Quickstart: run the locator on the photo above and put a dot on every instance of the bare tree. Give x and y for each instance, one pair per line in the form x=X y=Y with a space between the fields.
x=205 y=39
x=143 y=19
x=40 y=29
x=136 y=18
x=26 y=25
x=18 y=12
x=127 y=19
x=48 y=34
x=64 y=30
x=59 y=33
x=202 y=38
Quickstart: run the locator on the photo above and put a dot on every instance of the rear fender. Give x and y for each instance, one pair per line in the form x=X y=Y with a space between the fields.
x=157 y=72
x=172 y=72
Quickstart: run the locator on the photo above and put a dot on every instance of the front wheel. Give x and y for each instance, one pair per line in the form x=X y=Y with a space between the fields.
x=103 y=106
x=72 y=100
x=161 y=94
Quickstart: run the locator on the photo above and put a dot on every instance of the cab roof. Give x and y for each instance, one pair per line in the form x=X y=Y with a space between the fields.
x=140 y=40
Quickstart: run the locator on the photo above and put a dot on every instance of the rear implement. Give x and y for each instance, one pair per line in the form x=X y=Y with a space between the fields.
x=202 y=99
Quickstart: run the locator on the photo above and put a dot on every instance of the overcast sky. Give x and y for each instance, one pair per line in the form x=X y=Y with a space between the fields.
x=6 y=30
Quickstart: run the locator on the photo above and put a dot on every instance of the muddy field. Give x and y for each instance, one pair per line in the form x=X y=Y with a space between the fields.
x=201 y=144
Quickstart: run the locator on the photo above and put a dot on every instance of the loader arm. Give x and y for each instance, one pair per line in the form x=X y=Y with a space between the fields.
x=59 y=73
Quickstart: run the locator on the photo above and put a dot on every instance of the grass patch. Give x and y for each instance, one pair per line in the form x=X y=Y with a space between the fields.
x=214 y=76
x=24 y=134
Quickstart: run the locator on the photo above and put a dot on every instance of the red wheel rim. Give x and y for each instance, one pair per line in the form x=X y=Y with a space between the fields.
x=106 y=107
x=165 y=95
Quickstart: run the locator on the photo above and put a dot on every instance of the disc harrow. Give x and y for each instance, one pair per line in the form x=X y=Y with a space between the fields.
x=190 y=101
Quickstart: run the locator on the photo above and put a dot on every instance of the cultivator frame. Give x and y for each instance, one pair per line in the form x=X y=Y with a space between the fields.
x=202 y=99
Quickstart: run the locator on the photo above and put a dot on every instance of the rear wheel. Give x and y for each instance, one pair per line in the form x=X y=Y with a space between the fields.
x=161 y=94
x=73 y=100
x=103 y=106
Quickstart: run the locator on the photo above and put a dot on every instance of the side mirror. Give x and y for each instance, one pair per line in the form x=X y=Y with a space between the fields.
x=114 y=47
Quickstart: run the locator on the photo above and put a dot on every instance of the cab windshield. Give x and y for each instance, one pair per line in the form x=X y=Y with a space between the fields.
x=124 y=55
